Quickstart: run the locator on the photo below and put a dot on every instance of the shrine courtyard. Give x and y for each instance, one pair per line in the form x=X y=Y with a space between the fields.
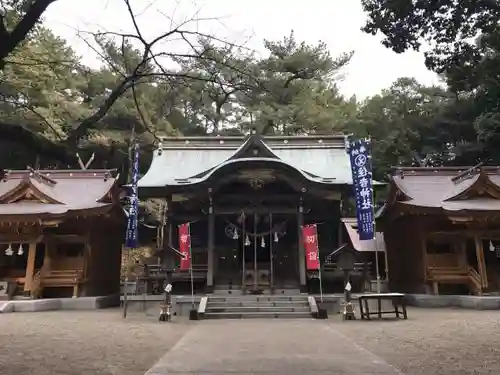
x=103 y=343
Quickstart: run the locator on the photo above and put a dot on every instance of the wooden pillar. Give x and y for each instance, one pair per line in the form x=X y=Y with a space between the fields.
x=481 y=265
x=50 y=247
x=302 y=256
x=169 y=254
x=461 y=253
x=30 y=267
x=211 y=244
x=423 y=249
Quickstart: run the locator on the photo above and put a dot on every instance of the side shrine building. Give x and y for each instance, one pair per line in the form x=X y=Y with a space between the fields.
x=246 y=199
x=442 y=230
x=61 y=233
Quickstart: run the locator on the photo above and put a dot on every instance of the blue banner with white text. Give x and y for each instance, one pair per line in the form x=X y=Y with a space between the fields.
x=131 y=240
x=361 y=168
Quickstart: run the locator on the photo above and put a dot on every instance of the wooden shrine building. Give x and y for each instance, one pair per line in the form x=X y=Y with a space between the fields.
x=442 y=230
x=60 y=233
x=246 y=199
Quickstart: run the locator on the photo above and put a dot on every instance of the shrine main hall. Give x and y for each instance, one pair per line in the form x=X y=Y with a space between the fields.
x=246 y=199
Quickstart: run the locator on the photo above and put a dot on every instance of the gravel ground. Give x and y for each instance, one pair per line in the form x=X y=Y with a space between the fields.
x=443 y=342
x=437 y=341
x=83 y=343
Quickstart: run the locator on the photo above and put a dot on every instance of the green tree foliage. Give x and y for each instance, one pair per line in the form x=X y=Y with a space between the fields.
x=464 y=40
x=52 y=106
x=297 y=90
x=447 y=25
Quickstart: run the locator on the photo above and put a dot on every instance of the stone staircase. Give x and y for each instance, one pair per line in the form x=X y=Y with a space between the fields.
x=257 y=306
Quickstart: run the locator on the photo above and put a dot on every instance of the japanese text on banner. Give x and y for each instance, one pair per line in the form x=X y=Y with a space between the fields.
x=310 y=237
x=131 y=240
x=361 y=168
x=185 y=246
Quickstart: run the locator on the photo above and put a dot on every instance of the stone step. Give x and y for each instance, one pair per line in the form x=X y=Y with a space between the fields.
x=261 y=304
x=240 y=309
x=228 y=292
x=259 y=298
x=257 y=315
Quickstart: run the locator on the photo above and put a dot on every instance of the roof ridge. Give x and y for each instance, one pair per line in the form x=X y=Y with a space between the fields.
x=50 y=174
x=454 y=169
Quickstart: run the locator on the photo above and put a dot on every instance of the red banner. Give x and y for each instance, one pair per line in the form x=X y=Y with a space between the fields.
x=185 y=246
x=310 y=237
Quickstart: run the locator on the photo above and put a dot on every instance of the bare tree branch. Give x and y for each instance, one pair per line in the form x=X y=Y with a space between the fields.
x=11 y=39
x=153 y=65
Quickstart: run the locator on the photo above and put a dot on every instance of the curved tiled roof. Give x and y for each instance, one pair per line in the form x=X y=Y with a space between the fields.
x=449 y=189
x=189 y=160
x=55 y=192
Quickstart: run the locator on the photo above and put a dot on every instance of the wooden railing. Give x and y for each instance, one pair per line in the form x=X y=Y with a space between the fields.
x=475 y=280
x=456 y=275
x=62 y=278
x=444 y=273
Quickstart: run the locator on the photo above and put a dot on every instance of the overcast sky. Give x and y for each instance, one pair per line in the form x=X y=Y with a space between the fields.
x=336 y=22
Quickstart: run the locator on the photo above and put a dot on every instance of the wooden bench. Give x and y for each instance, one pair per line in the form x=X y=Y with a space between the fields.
x=397 y=300
x=63 y=278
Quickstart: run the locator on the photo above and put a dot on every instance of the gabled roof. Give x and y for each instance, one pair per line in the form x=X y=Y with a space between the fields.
x=446 y=189
x=351 y=226
x=190 y=160
x=55 y=192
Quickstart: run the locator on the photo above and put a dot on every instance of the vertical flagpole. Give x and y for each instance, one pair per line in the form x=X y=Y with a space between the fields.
x=362 y=176
x=125 y=291
x=319 y=264
x=131 y=240
x=377 y=268
x=255 y=280
x=191 y=266
x=243 y=241
x=271 y=278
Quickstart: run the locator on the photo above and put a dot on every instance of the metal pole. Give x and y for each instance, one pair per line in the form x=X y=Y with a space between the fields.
x=125 y=299
x=191 y=266
x=319 y=263
x=376 y=248
x=243 y=239
x=255 y=251
x=271 y=278
x=386 y=265
x=377 y=271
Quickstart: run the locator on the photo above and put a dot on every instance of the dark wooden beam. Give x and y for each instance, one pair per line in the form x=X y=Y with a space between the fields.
x=258 y=196
x=228 y=210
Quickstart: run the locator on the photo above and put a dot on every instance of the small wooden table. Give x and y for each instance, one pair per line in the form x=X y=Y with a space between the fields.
x=397 y=300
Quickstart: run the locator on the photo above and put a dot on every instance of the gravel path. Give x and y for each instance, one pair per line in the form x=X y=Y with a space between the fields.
x=443 y=342
x=83 y=343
